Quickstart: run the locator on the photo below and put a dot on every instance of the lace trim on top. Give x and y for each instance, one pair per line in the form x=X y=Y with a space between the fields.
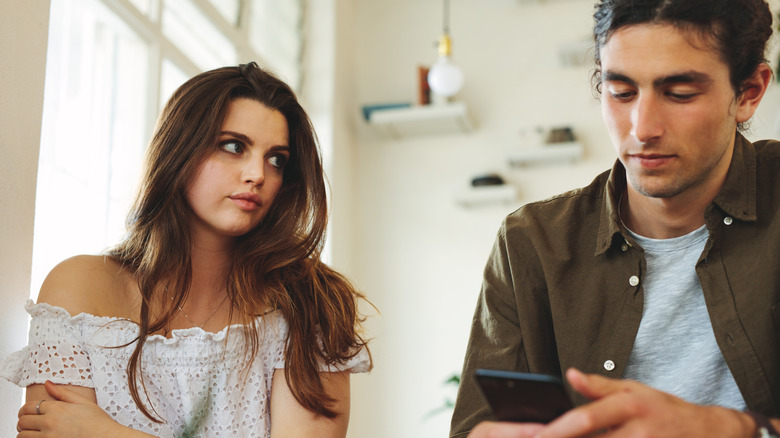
x=196 y=380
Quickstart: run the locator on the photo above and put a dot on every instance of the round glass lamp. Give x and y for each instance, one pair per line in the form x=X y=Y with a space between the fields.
x=444 y=77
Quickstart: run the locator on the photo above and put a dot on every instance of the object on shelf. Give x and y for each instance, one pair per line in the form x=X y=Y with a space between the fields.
x=575 y=53
x=370 y=109
x=547 y=154
x=560 y=135
x=423 y=87
x=490 y=179
x=485 y=196
x=421 y=120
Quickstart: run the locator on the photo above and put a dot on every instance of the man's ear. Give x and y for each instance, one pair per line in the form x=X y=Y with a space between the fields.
x=752 y=92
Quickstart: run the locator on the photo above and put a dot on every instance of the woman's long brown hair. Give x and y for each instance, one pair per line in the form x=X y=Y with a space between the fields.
x=275 y=266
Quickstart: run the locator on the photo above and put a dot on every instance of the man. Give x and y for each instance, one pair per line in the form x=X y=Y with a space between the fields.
x=655 y=290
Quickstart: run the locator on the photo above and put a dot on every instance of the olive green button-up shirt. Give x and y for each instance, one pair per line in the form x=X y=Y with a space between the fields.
x=563 y=285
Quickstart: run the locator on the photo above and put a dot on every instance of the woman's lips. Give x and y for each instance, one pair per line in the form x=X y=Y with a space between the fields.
x=247 y=201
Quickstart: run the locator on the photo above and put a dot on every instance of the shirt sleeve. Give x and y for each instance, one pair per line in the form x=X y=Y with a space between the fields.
x=358 y=363
x=54 y=351
x=495 y=341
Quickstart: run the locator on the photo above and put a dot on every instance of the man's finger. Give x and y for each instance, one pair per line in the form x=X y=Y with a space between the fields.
x=490 y=429
x=594 y=417
x=594 y=386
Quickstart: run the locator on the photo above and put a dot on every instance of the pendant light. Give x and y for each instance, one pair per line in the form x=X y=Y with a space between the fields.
x=445 y=78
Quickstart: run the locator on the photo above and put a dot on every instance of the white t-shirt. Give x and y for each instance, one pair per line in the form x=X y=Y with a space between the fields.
x=196 y=381
x=675 y=348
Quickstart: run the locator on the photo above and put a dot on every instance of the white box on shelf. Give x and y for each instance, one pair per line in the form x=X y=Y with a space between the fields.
x=483 y=196
x=549 y=153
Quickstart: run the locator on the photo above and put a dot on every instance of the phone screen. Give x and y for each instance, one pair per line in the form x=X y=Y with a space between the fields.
x=523 y=397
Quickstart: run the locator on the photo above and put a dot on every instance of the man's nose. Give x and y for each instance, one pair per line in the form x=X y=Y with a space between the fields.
x=646 y=118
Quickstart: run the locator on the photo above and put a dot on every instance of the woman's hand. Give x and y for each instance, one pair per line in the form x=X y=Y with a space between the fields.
x=69 y=415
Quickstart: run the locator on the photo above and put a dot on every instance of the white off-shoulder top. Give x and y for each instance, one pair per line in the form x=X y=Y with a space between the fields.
x=196 y=381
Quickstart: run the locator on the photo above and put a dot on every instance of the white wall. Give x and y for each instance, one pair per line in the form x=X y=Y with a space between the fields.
x=418 y=255
x=328 y=96
x=23 y=34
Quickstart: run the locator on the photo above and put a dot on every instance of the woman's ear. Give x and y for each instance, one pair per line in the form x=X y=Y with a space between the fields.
x=752 y=92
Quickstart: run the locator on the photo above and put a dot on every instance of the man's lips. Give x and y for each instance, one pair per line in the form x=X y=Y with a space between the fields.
x=651 y=161
x=247 y=200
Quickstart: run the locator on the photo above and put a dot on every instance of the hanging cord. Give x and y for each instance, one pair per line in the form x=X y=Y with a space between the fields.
x=446 y=18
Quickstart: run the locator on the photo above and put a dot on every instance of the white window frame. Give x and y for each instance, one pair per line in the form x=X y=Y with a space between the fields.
x=148 y=27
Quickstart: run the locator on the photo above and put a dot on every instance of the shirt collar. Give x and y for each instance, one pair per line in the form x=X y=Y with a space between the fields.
x=609 y=223
x=737 y=197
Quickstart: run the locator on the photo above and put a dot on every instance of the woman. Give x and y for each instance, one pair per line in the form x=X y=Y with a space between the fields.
x=215 y=315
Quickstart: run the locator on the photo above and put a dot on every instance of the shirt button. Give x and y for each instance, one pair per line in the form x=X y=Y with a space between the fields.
x=609 y=365
x=624 y=247
x=634 y=280
x=728 y=220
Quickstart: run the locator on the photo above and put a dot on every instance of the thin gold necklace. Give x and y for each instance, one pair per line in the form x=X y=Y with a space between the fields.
x=190 y=319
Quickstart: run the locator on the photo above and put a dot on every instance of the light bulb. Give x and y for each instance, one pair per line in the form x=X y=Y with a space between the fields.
x=445 y=78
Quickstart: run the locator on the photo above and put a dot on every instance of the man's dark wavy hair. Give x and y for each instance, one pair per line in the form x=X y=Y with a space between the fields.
x=738 y=29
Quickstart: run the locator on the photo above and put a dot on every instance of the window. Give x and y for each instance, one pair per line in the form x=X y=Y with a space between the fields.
x=111 y=65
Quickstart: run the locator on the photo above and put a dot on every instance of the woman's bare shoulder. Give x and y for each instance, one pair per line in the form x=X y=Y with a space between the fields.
x=97 y=285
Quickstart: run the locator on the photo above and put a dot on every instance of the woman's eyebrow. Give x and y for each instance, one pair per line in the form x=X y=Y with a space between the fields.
x=238 y=136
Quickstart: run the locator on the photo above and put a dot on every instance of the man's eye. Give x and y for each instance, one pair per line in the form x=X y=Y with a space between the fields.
x=682 y=97
x=621 y=95
x=277 y=161
x=232 y=146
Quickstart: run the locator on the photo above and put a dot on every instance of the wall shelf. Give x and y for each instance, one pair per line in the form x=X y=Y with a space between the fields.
x=547 y=154
x=483 y=196
x=422 y=120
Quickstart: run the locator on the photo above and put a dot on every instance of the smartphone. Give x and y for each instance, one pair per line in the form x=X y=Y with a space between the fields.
x=523 y=397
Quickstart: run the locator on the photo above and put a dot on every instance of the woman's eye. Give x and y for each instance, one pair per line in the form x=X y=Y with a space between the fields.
x=277 y=161
x=234 y=147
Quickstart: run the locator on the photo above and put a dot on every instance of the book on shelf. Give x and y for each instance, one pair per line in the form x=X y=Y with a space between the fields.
x=369 y=109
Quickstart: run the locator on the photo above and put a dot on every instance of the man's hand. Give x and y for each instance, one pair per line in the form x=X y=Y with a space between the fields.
x=490 y=429
x=624 y=408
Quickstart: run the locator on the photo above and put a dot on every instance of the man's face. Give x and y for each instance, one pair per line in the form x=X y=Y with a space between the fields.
x=670 y=109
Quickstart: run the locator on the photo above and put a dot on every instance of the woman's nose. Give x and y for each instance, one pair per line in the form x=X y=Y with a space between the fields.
x=253 y=172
